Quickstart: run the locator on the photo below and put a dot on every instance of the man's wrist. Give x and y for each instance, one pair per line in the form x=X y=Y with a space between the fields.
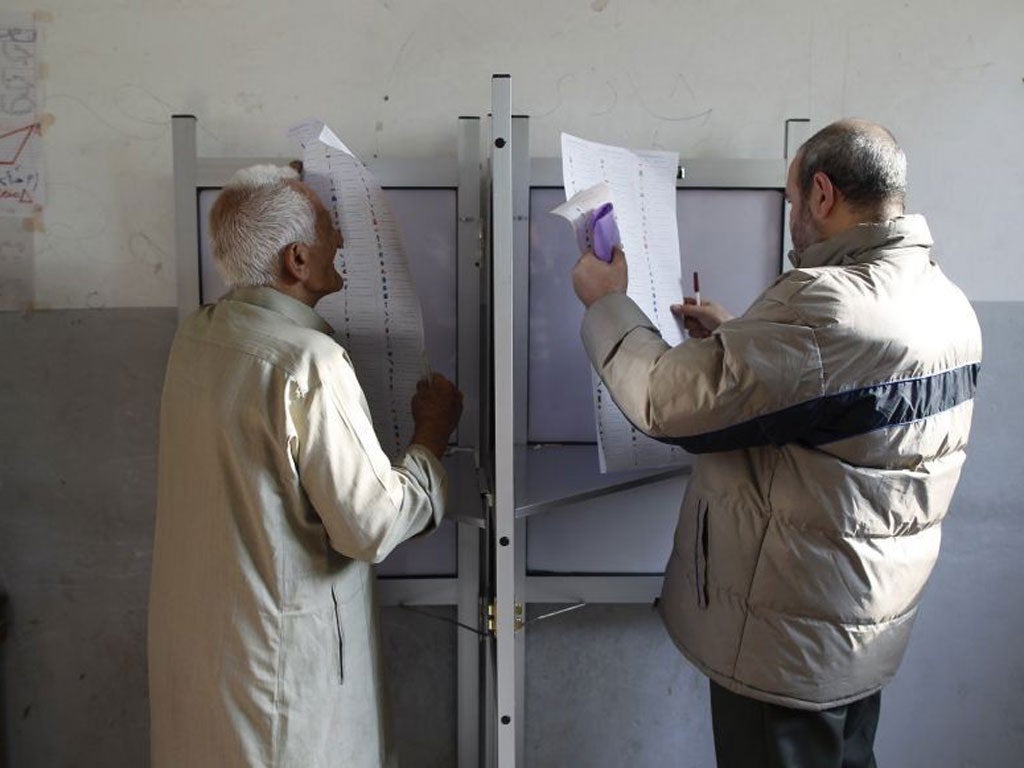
x=595 y=299
x=435 y=445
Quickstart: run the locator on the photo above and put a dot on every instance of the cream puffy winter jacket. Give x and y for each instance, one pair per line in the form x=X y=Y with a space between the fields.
x=832 y=421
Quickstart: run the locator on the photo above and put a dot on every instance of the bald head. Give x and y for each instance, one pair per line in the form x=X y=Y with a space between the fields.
x=864 y=163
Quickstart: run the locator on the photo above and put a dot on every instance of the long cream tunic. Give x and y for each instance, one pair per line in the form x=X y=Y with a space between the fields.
x=274 y=499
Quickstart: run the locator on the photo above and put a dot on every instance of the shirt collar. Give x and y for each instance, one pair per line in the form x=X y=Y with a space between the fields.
x=282 y=303
x=865 y=242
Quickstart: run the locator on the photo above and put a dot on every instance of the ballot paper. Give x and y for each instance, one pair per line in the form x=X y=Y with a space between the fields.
x=376 y=315
x=641 y=184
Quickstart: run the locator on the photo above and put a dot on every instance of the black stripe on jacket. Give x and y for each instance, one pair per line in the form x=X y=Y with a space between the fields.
x=843 y=415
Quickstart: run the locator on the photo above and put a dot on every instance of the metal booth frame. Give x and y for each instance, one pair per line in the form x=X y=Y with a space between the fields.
x=463 y=174
x=509 y=480
x=524 y=482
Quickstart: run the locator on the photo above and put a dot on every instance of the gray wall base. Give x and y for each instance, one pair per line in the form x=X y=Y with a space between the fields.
x=79 y=398
x=79 y=409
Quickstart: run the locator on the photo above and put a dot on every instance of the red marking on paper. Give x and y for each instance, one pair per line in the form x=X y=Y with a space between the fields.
x=12 y=146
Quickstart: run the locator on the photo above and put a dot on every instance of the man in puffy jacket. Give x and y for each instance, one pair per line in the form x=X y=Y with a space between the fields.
x=831 y=421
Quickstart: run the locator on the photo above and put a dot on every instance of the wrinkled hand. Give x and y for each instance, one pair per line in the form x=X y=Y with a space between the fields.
x=700 y=321
x=436 y=408
x=593 y=279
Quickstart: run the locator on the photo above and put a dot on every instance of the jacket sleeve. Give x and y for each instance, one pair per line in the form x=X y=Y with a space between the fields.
x=367 y=505
x=732 y=390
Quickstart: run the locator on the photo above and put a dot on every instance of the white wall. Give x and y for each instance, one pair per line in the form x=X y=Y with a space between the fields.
x=710 y=79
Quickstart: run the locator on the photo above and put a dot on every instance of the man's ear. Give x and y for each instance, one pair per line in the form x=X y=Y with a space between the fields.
x=823 y=196
x=295 y=263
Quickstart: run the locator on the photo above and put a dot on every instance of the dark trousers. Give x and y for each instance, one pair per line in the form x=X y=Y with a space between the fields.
x=754 y=734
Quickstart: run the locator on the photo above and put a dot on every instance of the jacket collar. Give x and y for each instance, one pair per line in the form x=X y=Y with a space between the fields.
x=283 y=304
x=866 y=242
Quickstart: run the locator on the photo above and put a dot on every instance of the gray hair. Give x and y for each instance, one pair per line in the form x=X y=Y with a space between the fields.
x=864 y=163
x=257 y=214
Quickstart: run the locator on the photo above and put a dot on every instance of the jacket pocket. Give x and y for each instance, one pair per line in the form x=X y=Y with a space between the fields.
x=700 y=554
x=341 y=637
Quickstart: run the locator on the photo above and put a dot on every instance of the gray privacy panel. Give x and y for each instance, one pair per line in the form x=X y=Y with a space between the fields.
x=733 y=237
x=437 y=553
x=626 y=532
x=433 y=555
x=428 y=225
x=560 y=408
x=211 y=286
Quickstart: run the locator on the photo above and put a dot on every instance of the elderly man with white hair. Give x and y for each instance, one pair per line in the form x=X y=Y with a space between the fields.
x=274 y=499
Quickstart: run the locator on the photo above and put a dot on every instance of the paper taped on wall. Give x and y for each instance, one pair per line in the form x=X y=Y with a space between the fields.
x=21 y=185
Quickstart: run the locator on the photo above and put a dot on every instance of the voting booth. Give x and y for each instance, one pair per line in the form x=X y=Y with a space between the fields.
x=532 y=519
x=563 y=533
x=436 y=203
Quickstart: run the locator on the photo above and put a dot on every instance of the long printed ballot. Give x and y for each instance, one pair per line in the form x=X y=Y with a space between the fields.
x=377 y=315
x=643 y=192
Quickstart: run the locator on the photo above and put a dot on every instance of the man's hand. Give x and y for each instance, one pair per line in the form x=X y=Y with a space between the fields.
x=700 y=321
x=436 y=408
x=593 y=279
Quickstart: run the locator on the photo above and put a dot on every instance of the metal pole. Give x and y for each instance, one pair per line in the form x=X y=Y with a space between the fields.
x=520 y=352
x=186 y=229
x=504 y=413
x=796 y=132
x=468 y=589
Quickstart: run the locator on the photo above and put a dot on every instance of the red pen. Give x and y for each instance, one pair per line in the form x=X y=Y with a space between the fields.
x=696 y=287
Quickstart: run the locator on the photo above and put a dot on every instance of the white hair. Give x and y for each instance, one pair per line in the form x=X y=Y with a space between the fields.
x=257 y=214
